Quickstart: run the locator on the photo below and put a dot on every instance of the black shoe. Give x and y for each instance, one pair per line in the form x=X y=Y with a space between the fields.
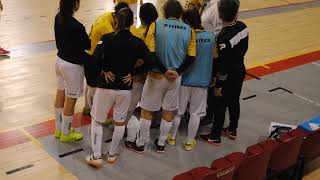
x=205 y=121
x=160 y=149
x=132 y=146
x=231 y=134
x=215 y=140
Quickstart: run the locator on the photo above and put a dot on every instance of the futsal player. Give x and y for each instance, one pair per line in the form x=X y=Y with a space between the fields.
x=195 y=81
x=115 y=83
x=71 y=41
x=174 y=43
x=104 y=24
x=233 y=44
x=148 y=14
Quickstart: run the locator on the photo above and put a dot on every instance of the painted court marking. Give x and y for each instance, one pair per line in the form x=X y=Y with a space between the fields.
x=19 y=169
x=71 y=152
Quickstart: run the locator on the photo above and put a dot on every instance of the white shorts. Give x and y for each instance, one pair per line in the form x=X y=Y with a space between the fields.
x=196 y=97
x=136 y=93
x=159 y=93
x=105 y=99
x=90 y=95
x=70 y=78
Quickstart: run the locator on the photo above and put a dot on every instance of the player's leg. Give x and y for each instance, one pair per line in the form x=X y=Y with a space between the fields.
x=184 y=97
x=198 y=102
x=120 y=109
x=90 y=96
x=133 y=124
x=86 y=109
x=102 y=103
x=219 y=116
x=59 y=101
x=136 y=92
x=73 y=76
x=234 y=105
x=169 y=106
x=151 y=99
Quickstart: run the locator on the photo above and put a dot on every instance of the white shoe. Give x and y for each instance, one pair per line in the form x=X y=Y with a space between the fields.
x=111 y=158
x=93 y=161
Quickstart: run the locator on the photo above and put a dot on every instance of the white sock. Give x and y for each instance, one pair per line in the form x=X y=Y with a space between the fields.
x=143 y=132
x=133 y=127
x=164 y=130
x=96 y=138
x=58 y=113
x=175 y=126
x=116 y=138
x=193 y=127
x=66 y=124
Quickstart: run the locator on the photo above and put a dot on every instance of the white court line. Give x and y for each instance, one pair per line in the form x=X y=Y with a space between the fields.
x=317 y=64
x=307 y=99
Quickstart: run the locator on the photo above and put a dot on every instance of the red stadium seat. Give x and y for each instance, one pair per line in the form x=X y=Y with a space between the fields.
x=250 y=166
x=310 y=147
x=287 y=152
x=194 y=174
x=221 y=169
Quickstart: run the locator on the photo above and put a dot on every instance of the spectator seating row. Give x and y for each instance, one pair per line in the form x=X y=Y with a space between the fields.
x=263 y=160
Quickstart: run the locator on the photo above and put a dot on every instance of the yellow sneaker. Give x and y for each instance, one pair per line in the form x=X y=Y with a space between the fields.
x=171 y=141
x=57 y=133
x=71 y=137
x=188 y=146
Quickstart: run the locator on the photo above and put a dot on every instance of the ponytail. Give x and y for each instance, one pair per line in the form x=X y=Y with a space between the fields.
x=124 y=19
x=66 y=7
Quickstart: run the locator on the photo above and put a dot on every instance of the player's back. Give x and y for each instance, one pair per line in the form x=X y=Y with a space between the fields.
x=172 y=40
x=200 y=72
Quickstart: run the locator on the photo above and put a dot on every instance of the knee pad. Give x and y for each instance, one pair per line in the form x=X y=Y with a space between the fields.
x=148 y=115
x=167 y=115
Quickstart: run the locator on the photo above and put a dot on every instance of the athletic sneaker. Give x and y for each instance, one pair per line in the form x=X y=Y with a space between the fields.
x=231 y=134
x=57 y=133
x=171 y=141
x=211 y=140
x=94 y=161
x=4 y=52
x=132 y=146
x=160 y=149
x=86 y=111
x=188 y=146
x=71 y=137
x=111 y=158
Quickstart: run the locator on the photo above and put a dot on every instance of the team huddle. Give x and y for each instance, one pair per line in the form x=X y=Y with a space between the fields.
x=172 y=65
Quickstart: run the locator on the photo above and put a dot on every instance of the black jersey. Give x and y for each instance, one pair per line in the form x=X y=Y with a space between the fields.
x=118 y=52
x=232 y=43
x=71 y=39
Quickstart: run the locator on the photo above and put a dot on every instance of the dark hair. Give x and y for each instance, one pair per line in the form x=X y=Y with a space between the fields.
x=66 y=7
x=124 y=19
x=172 y=8
x=148 y=13
x=228 y=10
x=192 y=17
x=119 y=6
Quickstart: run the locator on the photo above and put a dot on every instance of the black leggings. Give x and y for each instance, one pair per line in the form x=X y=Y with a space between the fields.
x=231 y=91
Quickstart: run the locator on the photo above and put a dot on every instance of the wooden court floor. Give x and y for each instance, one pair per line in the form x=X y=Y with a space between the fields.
x=27 y=78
